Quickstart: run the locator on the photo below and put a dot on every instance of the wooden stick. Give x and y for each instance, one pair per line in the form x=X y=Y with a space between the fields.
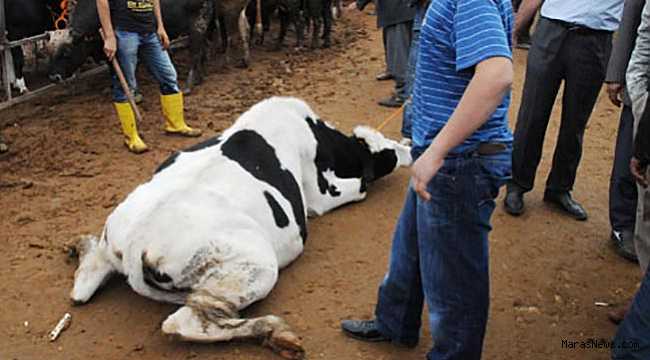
x=123 y=83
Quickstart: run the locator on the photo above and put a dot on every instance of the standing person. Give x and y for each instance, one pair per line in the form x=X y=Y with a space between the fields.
x=632 y=340
x=526 y=11
x=462 y=145
x=622 y=187
x=135 y=28
x=407 y=115
x=395 y=18
x=572 y=43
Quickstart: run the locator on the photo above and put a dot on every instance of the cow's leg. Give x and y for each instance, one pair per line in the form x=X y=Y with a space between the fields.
x=94 y=269
x=251 y=17
x=210 y=313
x=327 y=23
x=339 y=192
x=284 y=23
x=19 y=63
x=316 y=21
x=198 y=31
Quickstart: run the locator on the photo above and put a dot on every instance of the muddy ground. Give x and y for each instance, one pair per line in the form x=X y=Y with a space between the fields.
x=67 y=169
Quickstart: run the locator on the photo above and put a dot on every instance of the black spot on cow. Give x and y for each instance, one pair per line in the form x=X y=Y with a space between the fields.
x=157 y=279
x=196 y=147
x=251 y=151
x=347 y=157
x=170 y=160
x=281 y=219
x=383 y=163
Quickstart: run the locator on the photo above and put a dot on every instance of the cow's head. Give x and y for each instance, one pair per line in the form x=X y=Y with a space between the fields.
x=383 y=155
x=366 y=154
x=81 y=41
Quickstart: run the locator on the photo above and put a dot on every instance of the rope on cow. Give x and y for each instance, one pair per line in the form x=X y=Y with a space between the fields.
x=392 y=117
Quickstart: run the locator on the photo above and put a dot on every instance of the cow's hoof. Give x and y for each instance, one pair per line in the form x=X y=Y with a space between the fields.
x=241 y=64
x=286 y=344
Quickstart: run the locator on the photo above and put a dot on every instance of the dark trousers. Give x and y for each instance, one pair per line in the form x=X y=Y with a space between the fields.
x=579 y=58
x=622 y=188
x=397 y=42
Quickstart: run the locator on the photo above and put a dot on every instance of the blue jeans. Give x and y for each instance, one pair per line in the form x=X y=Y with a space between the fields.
x=632 y=341
x=407 y=118
x=159 y=64
x=440 y=254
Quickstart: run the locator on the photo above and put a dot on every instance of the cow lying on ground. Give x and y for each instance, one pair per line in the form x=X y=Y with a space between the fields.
x=217 y=221
x=181 y=17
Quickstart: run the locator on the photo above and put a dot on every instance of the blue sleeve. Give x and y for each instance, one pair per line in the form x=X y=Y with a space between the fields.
x=482 y=30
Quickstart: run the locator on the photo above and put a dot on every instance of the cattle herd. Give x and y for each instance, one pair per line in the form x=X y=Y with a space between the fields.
x=232 y=23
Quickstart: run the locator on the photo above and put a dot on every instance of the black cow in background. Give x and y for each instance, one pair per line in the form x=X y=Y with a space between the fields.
x=181 y=17
x=296 y=12
x=26 y=18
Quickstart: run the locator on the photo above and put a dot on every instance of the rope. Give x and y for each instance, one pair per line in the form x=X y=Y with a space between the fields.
x=62 y=21
x=392 y=117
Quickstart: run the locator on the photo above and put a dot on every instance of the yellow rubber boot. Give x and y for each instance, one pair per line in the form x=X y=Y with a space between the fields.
x=127 y=119
x=172 y=108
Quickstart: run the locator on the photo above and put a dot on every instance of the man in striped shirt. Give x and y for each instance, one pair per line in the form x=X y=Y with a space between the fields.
x=462 y=145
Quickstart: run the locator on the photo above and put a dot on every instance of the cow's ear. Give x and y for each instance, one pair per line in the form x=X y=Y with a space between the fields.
x=374 y=140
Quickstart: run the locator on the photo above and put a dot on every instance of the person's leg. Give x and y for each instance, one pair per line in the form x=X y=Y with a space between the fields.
x=632 y=341
x=622 y=189
x=161 y=68
x=585 y=58
x=544 y=73
x=453 y=230
x=397 y=48
x=407 y=116
x=128 y=44
x=399 y=304
x=642 y=229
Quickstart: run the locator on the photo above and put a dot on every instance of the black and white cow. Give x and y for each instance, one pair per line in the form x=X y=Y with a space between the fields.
x=217 y=221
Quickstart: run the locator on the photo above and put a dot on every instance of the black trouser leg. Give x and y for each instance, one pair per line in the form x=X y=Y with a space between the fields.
x=585 y=59
x=544 y=73
x=622 y=188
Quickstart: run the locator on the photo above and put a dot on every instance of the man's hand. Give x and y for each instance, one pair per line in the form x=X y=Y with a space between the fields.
x=351 y=6
x=424 y=169
x=615 y=93
x=164 y=39
x=638 y=172
x=110 y=47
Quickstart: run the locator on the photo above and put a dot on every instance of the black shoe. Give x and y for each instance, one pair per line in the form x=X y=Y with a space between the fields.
x=514 y=201
x=384 y=76
x=563 y=200
x=392 y=102
x=364 y=330
x=624 y=244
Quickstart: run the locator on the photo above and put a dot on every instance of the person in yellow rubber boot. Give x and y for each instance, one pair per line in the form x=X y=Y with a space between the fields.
x=135 y=28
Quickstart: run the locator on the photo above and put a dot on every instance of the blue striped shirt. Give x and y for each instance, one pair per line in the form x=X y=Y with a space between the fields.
x=456 y=35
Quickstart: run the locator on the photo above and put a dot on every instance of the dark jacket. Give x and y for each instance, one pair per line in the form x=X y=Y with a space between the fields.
x=624 y=44
x=390 y=12
x=642 y=140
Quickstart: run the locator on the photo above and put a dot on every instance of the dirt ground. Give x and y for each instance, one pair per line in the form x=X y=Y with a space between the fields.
x=67 y=169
